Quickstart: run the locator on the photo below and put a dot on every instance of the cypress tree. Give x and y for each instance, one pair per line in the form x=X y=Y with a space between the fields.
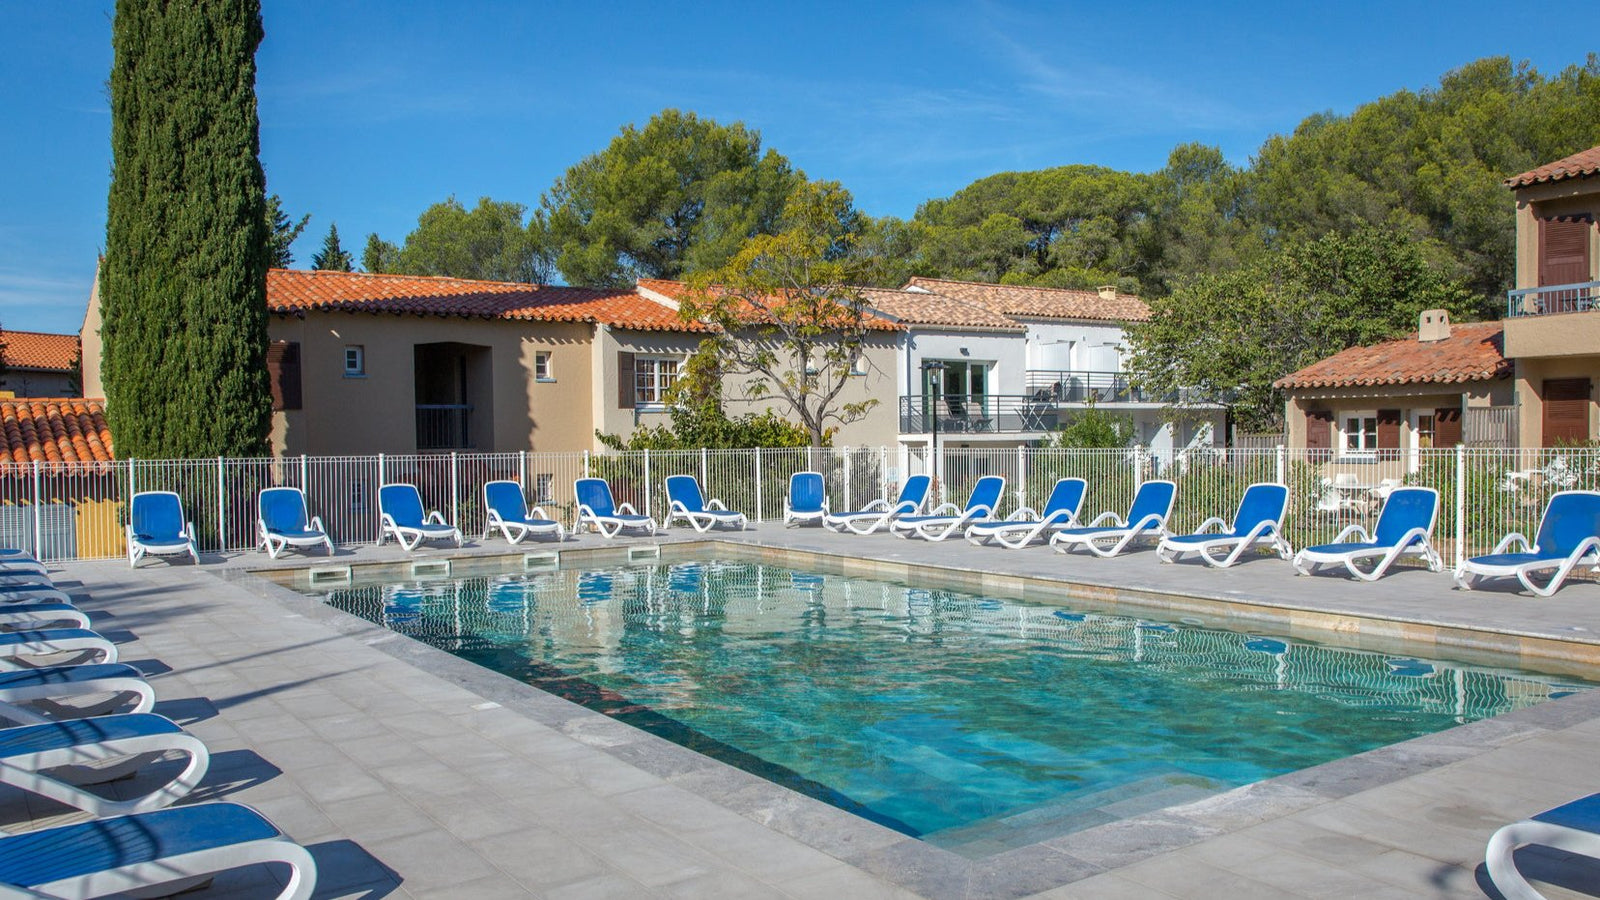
x=183 y=287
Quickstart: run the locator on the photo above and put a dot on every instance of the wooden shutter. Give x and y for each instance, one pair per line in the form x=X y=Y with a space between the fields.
x=624 y=380
x=1319 y=432
x=283 y=370
x=1447 y=426
x=1564 y=250
x=1388 y=433
x=1566 y=410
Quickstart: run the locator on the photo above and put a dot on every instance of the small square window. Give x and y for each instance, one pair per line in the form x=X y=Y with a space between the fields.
x=355 y=359
x=541 y=367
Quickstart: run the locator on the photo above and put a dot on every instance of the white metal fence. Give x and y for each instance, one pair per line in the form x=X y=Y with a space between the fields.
x=64 y=511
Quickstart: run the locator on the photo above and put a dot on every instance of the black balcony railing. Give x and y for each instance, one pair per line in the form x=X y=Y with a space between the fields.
x=1078 y=386
x=1553 y=298
x=979 y=413
x=444 y=426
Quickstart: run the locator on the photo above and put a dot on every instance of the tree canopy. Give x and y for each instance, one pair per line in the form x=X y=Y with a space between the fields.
x=332 y=257
x=282 y=231
x=488 y=242
x=679 y=195
x=183 y=287
x=1232 y=334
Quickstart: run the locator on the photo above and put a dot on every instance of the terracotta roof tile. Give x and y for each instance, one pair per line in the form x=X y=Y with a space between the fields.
x=39 y=350
x=293 y=290
x=676 y=291
x=925 y=308
x=1579 y=165
x=1474 y=351
x=54 y=430
x=1041 y=302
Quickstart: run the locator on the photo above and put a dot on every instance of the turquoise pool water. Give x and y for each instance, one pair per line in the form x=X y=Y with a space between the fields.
x=974 y=723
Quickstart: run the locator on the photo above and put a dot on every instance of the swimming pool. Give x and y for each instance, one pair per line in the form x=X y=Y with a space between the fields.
x=974 y=723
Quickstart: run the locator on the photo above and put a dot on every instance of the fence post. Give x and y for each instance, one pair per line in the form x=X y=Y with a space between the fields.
x=1461 y=504
x=1138 y=465
x=305 y=473
x=38 y=508
x=705 y=457
x=1022 y=476
x=847 y=505
x=455 y=492
x=883 y=472
x=586 y=464
x=647 y=483
x=222 y=506
x=758 y=486
x=1283 y=464
x=382 y=476
x=522 y=472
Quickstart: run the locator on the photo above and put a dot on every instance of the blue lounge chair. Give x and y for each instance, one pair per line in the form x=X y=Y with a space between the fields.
x=41 y=614
x=16 y=647
x=281 y=522
x=1147 y=517
x=1027 y=525
x=510 y=513
x=684 y=501
x=948 y=518
x=161 y=852
x=32 y=593
x=807 y=500
x=1572 y=828
x=880 y=512
x=1257 y=523
x=597 y=507
x=32 y=696
x=400 y=506
x=52 y=759
x=157 y=527
x=1405 y=528
x=1569 y=535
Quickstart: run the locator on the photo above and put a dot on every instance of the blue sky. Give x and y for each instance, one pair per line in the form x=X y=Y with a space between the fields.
x=370 y=111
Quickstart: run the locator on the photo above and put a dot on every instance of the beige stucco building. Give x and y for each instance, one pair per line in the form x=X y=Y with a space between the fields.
x=367 y=363
x=1553 y=324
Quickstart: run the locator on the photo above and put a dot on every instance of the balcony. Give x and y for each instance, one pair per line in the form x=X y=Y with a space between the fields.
x=1079 y=386
x=444 y=426
x=1552 y=299
x=979 y=414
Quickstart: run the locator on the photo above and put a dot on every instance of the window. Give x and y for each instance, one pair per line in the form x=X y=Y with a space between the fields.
x=541 y=366
x=283 y=371
x=355 y=360
x=1424 y=430
x=652 y=378
x=1361 y=432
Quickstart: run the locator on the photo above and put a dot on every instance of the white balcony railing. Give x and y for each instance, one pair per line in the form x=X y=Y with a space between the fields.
x=1552 y=298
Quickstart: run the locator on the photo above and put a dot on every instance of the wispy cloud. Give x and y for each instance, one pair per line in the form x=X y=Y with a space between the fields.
x=26 y=290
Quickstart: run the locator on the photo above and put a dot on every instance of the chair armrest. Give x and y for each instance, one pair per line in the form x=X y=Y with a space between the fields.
x=718 y=504
x=1356 y=530
x=316 y=524
x=1513 y=538
x=538 y=513
x=876 y=505
x=1213 y=522
x=1108 y=517
x=1026 y=513
x=188 y=530
x=434 y=518
x=627 y=508
x=946 y=509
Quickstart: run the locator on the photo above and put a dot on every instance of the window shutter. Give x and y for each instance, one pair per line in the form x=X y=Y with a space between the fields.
x=283 y=370
x=1388 y=431
x=1566 y=410
x=1447 y=426
x=1319 y=431
x=624 y=380
x=1564 y=250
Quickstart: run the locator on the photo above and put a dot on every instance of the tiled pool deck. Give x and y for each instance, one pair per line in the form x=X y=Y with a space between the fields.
x=410 y=773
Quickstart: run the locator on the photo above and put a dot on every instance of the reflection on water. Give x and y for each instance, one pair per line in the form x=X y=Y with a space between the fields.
x=975 y=723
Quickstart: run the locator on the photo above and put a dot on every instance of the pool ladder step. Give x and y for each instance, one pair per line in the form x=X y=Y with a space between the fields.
x=324 y=574
x=542 y=561
x=644 y=551
x=430 y=567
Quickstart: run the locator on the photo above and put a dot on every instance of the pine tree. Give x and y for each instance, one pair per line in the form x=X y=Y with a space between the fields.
x=379 y=255
x=281 y=234
x=183 y=288
x=332 y=257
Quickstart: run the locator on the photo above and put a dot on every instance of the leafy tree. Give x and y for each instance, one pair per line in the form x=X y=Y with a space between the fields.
x=489 y=242
x=183 y=288
x=786 y=315
x=680 y=195
x=379 y=255
x=282 y=233
x=332 y=257
x=1233 y=334
x=1092 y=429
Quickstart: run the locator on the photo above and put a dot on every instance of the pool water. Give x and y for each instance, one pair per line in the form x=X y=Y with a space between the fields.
x=974 y=723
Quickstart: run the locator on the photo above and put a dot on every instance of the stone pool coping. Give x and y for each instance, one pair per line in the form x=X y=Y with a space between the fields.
x=1106 y=855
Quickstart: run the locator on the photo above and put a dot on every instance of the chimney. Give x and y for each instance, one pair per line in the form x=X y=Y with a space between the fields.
x=1433 y=326
x=1107 y=291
